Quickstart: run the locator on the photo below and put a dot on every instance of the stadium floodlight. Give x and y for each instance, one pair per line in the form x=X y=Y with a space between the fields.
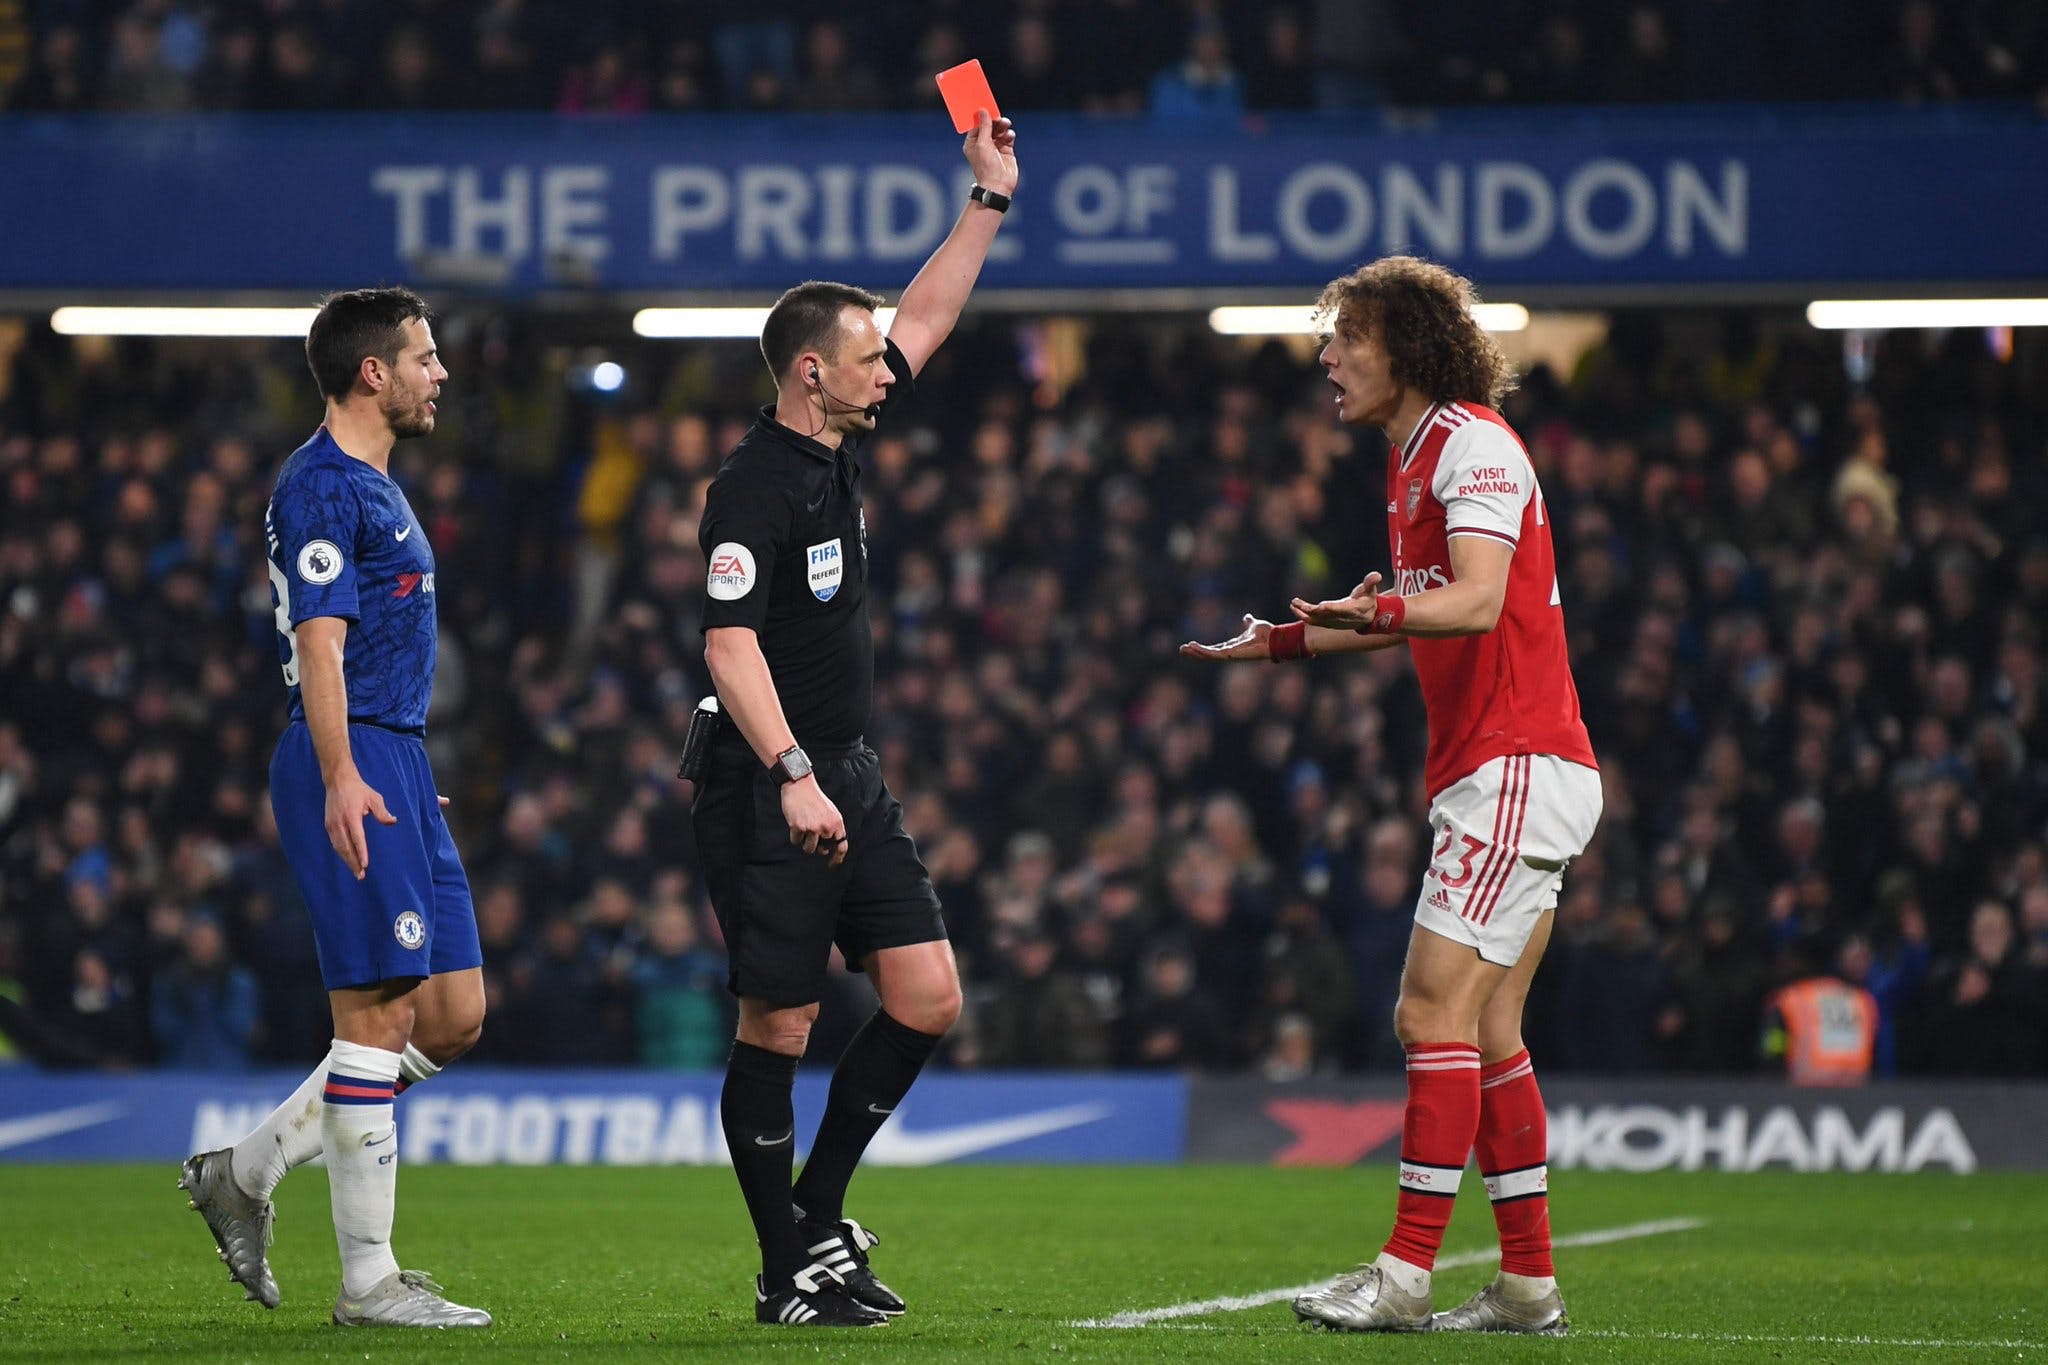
x=1288 y=319
x=94 y=321
x=1877 y=315
x=701 y=324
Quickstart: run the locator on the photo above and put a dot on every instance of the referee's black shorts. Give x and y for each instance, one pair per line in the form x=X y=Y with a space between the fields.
x=782 y=909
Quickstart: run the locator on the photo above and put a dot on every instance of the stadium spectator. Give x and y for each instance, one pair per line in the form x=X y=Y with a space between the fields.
x=832 y=82
x=1205 y=88
x=1989 y=995
x=57 y=81
x=1038 y=1013
x=681 y=1018
x=204 y=1007
x=1821 y=1027
x=138 y=79
x=1175 y=1022
x=606 y=83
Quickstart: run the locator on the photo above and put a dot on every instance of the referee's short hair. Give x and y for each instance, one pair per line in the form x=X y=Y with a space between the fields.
x=807 y=319
x=355 y=324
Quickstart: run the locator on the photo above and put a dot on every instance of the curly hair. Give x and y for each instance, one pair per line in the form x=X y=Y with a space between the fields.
x=1424 y=314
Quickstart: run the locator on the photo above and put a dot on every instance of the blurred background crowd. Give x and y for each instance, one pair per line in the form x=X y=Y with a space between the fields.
x=1173 y=59
x=1806 y=603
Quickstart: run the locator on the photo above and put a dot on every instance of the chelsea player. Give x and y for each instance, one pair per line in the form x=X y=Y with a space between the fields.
x=358 y=817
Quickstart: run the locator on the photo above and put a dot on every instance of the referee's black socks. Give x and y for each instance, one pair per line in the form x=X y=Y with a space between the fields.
x=760 y=1130
x=870 y=1081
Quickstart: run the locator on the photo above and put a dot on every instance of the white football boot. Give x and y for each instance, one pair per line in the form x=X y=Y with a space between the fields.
x=405 y=1298
x=1365 y=1300
x=1493 y=1309
x=240 y=1224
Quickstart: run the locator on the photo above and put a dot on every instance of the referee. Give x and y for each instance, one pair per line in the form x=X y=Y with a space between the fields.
x=802 y=844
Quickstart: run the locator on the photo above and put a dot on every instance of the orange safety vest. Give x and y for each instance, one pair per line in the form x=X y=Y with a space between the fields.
x=1830 y=1030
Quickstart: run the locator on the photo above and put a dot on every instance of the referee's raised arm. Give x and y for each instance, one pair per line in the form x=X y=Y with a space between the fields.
x=932 y=302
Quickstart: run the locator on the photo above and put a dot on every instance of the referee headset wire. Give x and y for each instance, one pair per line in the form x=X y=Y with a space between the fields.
x=871 y=409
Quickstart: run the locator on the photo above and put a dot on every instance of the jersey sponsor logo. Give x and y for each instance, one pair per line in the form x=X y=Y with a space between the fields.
x=320 y=562
x=826 y=565
x=1421 y=580
x=410 y=930
x=1490 y=479
x=408 y=581
x=1414 y=497
x=731 y=573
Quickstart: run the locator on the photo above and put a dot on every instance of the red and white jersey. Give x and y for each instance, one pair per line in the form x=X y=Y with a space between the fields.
x=1463 y=472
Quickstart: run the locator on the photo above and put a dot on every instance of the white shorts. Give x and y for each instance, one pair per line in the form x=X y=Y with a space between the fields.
x=1501 y=837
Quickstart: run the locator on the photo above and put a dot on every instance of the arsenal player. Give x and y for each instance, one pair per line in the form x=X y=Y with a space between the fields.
x=1514 y=790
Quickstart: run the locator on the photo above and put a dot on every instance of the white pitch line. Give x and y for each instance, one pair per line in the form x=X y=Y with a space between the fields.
x=1237 y=1303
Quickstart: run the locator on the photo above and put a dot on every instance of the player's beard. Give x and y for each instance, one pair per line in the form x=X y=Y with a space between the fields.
x=409 y=415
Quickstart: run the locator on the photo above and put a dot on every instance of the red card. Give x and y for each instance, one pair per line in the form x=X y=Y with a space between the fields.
x=966 y=92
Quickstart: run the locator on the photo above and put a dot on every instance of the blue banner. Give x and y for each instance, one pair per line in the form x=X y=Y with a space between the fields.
x=520 y=204
x=483 y=1116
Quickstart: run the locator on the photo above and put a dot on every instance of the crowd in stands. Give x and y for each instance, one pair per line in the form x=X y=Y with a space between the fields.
x=1170 y=58
x=1806 y=615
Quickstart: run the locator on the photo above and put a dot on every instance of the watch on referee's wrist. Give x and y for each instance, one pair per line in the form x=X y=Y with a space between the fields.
x=981 y=194
x=791 y=765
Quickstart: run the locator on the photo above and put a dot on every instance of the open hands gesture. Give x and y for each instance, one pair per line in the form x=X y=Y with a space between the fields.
x=1355 y=612
x=1250 y=643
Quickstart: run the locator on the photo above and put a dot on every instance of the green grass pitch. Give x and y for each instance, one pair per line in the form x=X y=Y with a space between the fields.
x=107 y=1264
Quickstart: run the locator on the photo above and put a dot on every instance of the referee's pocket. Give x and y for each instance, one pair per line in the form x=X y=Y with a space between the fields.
x=767 y=833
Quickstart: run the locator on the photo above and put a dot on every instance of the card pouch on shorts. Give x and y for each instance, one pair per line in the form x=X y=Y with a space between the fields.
x=705 y=724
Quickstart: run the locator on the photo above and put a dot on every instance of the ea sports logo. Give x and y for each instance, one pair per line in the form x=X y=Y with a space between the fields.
x=410 y=930
x=729 y=574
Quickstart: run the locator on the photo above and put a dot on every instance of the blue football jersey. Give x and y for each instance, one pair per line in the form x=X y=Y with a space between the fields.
x=343 y=542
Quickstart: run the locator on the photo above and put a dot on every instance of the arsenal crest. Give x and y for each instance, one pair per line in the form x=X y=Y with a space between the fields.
x=1414 y=497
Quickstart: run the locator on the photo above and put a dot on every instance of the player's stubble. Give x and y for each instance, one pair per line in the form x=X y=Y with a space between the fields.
x=410 y=412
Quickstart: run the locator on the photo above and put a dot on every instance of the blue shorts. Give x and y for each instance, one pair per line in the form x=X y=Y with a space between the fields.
x=412 y=914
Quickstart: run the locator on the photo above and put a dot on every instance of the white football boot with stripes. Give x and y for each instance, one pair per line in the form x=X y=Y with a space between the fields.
x=405 y=1298
x=1365 y=1300
x=1494 y=1309
x=816 y=1297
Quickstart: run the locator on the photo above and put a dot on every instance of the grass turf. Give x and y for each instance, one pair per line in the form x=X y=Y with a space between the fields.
x=106 y=1263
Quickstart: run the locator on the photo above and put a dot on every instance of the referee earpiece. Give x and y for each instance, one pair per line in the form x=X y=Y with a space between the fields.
x=814 y=376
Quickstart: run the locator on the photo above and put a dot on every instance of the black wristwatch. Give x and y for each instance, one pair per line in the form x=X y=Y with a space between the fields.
x=791 y=765
x=999 y=202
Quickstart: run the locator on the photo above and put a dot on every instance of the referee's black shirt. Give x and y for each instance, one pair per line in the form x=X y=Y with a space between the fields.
x=785 y=549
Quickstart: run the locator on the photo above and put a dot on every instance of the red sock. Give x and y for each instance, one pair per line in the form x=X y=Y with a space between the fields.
x=1514 y=1145
x=1436 y=1138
